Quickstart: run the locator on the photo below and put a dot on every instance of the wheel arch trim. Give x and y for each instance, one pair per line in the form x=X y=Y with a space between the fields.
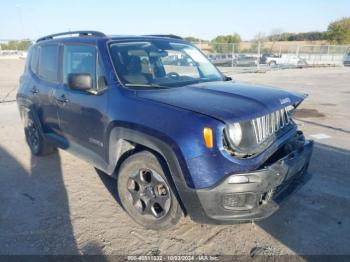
x=186 y=196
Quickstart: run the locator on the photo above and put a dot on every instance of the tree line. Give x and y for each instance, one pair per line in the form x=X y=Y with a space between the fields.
x=16 y=45
x=338 y=32
x=308 y=36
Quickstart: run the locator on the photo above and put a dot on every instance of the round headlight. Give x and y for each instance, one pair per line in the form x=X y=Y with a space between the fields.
x=235 y=133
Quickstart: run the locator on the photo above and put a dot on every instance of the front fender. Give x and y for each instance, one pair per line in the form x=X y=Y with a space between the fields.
x=168 y=150
x=122 y=139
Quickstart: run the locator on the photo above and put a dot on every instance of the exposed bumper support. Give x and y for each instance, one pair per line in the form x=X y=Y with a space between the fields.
x=258 y=198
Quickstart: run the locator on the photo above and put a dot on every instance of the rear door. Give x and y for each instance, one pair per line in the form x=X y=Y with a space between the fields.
x=82 y=115
x=44 y=85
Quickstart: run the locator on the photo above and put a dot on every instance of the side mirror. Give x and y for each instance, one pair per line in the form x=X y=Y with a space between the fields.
x=82 y=82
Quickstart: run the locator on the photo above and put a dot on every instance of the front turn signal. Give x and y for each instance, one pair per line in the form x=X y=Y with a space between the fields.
x=208 y=137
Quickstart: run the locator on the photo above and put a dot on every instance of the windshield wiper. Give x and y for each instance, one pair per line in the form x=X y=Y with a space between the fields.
x=227 y=78
x=198 y=81
x=145 y=85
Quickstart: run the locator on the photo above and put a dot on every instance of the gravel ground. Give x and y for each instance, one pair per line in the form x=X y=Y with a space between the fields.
x=60 y=205
x=10 y=71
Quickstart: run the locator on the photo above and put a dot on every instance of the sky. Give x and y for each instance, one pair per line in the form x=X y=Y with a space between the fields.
x=200 y=18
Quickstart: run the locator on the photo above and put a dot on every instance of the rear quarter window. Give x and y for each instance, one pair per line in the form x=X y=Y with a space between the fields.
x=48 y=63
x=34 y=58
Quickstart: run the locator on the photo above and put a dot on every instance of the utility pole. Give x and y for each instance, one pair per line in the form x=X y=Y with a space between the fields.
x=259 y=55
x=19 y=11
x=232 y=53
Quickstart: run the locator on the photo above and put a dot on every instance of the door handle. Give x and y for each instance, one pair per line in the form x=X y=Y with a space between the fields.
x=34 y=90
x=62 y=99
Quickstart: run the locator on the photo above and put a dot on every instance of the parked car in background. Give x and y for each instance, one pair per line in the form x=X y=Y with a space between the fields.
x=233 y=60
x=283 y=59
x=245 y=60
x=346 y=59
x=264 y=57
x=221 y=59
x=179 y=137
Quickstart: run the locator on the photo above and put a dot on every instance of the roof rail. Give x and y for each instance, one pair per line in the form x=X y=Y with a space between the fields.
x=79 y=33
x=168 y=36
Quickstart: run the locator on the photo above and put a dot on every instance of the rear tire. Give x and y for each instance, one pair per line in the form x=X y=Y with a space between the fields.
x=146 y=194
x=35 y=140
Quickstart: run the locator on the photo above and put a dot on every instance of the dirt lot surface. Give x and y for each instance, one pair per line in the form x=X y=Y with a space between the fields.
x=60 y=205
x=10 y=71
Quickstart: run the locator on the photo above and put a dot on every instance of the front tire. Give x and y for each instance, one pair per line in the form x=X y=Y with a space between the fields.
x=145 y=192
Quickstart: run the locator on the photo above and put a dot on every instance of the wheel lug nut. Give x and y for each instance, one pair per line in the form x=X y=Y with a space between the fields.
x=161 y=190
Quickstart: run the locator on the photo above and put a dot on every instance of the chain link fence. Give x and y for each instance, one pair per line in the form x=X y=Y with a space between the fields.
x=249 y=55
x=229 y=58
x=11 y=49
x=11 y=67
x=264 y=56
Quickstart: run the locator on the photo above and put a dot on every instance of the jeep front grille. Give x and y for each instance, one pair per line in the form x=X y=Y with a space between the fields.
x=269 y=124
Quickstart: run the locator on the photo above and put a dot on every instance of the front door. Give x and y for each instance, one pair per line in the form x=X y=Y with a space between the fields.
x=82 y=115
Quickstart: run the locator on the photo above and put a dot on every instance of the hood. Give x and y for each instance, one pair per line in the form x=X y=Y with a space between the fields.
x=226 y=101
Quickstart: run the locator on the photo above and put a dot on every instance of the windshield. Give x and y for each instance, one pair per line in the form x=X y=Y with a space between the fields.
x=161 y=63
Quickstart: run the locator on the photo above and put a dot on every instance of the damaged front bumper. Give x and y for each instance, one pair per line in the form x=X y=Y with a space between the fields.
x=256 y=195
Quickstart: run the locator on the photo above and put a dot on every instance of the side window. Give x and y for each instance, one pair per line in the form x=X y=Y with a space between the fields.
x=34 y=57
x=48 y=63
x=79 y=59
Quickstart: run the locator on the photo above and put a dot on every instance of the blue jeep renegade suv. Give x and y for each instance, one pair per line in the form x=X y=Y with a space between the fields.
x=179 y=137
